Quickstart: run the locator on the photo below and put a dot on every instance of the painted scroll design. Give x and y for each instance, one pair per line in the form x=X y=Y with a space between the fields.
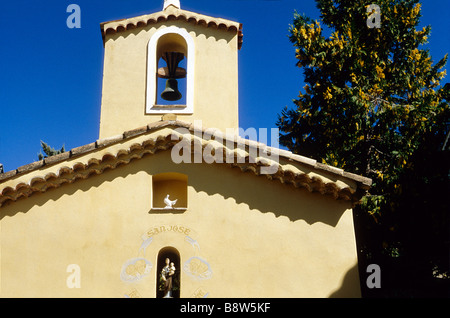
x=196 y=267
x=135 y=269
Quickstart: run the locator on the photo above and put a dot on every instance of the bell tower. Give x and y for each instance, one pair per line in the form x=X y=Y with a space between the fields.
x=170 y=62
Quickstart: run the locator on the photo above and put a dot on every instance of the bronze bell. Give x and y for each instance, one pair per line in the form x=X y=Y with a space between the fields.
x=172 y=72
x=171 y=93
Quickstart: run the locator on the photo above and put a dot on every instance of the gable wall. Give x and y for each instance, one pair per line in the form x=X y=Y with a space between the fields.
x=259 y=238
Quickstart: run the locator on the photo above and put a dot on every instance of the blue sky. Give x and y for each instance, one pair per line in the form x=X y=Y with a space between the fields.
x=51 y=76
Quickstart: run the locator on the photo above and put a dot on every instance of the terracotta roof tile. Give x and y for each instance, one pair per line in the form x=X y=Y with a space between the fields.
x=82 y=170
x=7 y=175
x=56 y=158
x=31 y=166
x=171 y=14
x=135 y=132
x=109 y=141
x=83 y=149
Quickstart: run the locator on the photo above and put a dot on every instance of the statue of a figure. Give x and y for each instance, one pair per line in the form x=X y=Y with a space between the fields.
x=166 y=274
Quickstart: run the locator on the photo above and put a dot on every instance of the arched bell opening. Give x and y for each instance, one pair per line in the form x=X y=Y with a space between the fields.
x=171 y=70
x=171 y=39
x=168 y=273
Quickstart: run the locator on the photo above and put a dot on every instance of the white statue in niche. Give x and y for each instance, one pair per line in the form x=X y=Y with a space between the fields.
x=169 y=203
x=166 y=275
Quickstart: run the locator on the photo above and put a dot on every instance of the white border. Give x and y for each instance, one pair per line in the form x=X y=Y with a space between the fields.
x=151 y=73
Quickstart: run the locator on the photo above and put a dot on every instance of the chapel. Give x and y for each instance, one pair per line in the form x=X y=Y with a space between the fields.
x=170 y=201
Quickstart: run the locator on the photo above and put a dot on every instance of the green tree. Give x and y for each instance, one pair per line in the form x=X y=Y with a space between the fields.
x=49 y=151
x=372 y=100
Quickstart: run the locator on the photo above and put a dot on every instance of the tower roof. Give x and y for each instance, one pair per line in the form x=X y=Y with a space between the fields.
x=171 y=12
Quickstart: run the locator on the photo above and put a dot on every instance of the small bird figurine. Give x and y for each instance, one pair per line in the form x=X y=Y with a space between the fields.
x=169 y=203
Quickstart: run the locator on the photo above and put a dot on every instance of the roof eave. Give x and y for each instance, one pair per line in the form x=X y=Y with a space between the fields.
x=171 y=13
x=284 y=174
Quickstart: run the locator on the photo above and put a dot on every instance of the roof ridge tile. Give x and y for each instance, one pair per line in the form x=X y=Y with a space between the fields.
x=154 y=126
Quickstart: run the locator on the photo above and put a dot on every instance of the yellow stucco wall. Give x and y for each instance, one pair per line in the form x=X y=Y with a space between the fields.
x=258 y=237
x=125 y=78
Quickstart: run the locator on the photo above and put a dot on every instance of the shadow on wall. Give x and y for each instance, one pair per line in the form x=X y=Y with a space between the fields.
x=347 y=289
x=271 y=196
x=244 y=187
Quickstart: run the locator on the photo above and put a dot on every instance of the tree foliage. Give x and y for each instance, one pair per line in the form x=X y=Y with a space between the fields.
x=372 y=100
x=49 y=151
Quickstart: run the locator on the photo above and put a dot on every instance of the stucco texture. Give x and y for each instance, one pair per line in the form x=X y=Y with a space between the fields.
x=254 y=236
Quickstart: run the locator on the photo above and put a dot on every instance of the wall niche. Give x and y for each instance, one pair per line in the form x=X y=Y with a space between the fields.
x=169 y=192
